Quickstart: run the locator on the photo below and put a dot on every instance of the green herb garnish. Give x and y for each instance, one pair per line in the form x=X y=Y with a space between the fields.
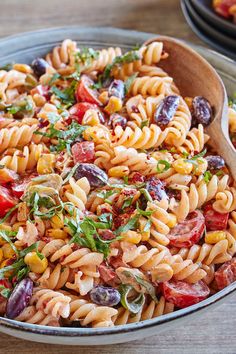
x=160 y=168
x=207 y=176
x=135 y=305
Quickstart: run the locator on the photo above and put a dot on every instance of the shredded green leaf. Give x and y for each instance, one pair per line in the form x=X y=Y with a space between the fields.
x=134 y=305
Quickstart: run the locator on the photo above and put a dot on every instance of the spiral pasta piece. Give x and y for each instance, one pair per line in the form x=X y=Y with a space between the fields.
x=18 y=136
x=198 y=195
x=91 y=314
x=151 y=86
x=150 y=310
x=78 y=191
x=31 y=315
x=21 y=161
x=62 y=56
x=51 y=302
x=105 y=57
x=83 y=257
x=225 y=201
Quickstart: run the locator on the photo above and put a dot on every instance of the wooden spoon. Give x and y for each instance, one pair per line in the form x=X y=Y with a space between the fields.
x=194 y=76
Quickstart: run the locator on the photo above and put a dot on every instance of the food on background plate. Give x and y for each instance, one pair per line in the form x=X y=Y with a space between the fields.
x=226 y=8
x=114 y=206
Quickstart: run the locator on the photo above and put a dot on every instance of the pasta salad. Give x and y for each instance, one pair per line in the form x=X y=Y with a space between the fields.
x=114 y=206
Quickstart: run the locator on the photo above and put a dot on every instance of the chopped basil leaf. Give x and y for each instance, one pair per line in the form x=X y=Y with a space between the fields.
x=128 y=57
x=129 y=82
x=160 y=168
x=5 y=235
x=136 y=304
x=131 y=224
x=145 y=123
x=9 y=213
x=207 y=176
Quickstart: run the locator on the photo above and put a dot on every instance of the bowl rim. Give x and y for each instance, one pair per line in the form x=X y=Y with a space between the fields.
x=132 y=327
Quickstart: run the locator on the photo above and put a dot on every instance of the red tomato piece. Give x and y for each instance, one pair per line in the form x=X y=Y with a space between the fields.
x=84 y=91
x=226 y=274
x=183 y=294
x=223 y=7
x=214 y=221
x=106 y=273
x=77 y=111
x=18 y=187
x=7 y=175
x=42 y=91
x=7 y=201
x=83 y=152
x=188 y=232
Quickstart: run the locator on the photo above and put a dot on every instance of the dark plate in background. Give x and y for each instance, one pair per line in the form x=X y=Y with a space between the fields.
x=205 y=36
x=220 y=37
x=205 y=9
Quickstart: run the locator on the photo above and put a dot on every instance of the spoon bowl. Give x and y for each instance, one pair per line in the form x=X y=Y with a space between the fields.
x=194 y=76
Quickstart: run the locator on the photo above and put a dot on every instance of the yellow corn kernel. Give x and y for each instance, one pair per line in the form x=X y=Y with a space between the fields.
x=118 y=171
x=56 y=233
x=96 y=134
x=200 y=167
x=46 y=164
x=183 y=167
x=163 y=272
x=172 y=220
x=103 y=97
x=114 y=105
x=131 y=236
x=145 y=234
x=36 y=264
x=57 y=221
x=189 y=101
x=1 y=255
x=213 y=237
x=7 y=251
x=91 y=118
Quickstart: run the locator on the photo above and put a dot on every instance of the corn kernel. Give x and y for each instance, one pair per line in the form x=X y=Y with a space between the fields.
x=114 y=105
x=144 y=234
x=200 y=167
x=103 y=97
x=96 y=134
x=172 y=220
x=56 y=233
x=91 y=118
x=163 y=272
x=183 y=167
x=7 y=251
x=57 y=221
x=131 y=236
x=118 y=171
x=189 y=101
x=1 y=255
x=46 y=164
x=36 y=264
x=214 y=237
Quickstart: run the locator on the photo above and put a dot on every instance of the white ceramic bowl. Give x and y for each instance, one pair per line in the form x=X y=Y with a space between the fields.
x=24 y=48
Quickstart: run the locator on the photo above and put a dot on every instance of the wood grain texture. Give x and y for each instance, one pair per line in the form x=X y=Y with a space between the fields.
x=215 y=332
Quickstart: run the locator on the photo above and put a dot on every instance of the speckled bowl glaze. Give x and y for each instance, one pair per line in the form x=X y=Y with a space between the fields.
x=24 y=48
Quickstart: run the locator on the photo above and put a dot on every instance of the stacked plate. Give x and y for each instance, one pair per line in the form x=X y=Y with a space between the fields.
x=216 y=31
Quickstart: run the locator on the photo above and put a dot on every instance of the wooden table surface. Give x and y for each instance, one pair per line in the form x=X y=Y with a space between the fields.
x=213 y=333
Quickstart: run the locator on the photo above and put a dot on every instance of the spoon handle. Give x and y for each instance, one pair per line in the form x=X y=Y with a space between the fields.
x=223 y=145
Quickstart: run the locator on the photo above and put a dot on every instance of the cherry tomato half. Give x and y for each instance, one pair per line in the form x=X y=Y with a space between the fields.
x=214 y=220
x=188 y=232
x=226 y=274
x=83 y=152
x=183 y=294
x=7 y=201
x=78 y=111
x=18 y=187
x=85 y=93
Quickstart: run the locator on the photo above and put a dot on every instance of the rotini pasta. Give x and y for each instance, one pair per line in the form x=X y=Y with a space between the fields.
x=110 y=194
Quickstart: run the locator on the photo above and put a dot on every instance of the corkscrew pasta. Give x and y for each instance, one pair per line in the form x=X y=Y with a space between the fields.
x=113 y=202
